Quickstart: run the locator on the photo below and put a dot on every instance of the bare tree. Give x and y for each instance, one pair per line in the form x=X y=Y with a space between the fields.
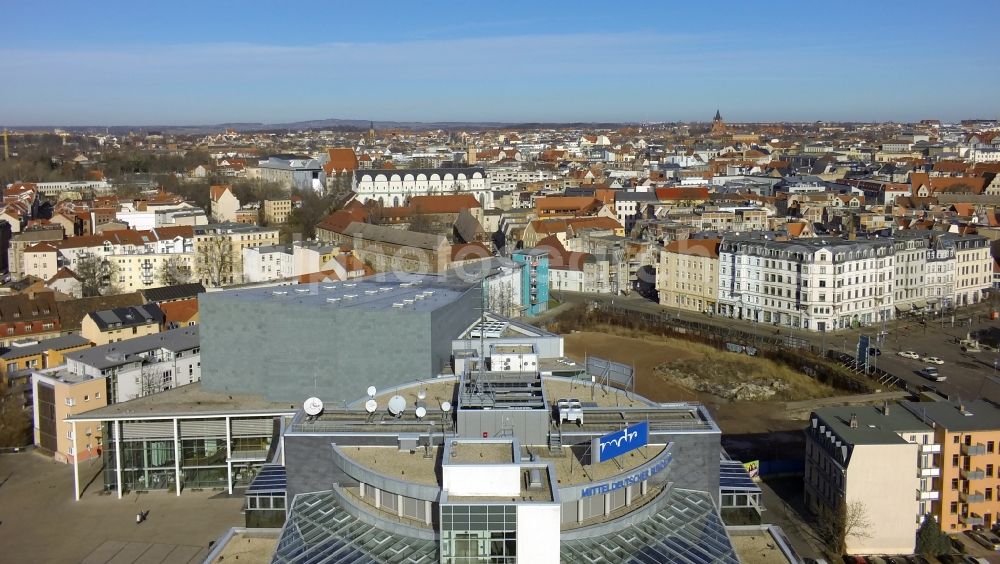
x=849 y=520
x=97 y=276
x=215 y=260
x=151 y=381
x=174 y=271
x=14 y=421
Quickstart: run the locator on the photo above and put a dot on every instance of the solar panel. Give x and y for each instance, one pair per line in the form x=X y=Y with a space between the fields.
x=271 y=478
x=733 y=476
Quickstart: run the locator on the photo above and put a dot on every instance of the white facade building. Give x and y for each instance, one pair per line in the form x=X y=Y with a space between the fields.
x=819 y=284
x=909 y=291
x=141 y=366
x=393 y=188
x=270 y=262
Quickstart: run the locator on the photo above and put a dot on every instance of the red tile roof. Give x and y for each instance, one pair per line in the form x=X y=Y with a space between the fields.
x=449 y=203
x=341 y=159
x=180 y=311
x=682 y=194
x=695 y=247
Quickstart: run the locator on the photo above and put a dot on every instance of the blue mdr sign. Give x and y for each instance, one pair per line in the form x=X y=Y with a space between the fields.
x=619 y=442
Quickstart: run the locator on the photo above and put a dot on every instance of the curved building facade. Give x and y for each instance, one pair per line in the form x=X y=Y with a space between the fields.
x=500 y=464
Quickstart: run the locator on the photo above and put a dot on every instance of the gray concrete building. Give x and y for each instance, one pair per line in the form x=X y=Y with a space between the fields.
x=290 y=342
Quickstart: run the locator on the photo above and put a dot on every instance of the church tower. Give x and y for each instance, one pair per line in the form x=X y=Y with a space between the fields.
x=371 y=130
x=718 y=126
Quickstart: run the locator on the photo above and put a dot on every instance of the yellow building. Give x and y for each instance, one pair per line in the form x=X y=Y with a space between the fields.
x=28 y=354
x=969 y=435
x=58 y=395
x=218 y=251
x=119 y=324
x=688 y=277
x=144 y=271
x=277 y=211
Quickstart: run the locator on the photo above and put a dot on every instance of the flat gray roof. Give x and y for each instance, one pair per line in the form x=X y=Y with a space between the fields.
x=58 y=343
x=406 y=292
x=874 y=426
x=124 y=352
x=186 y=401
x=978 y=415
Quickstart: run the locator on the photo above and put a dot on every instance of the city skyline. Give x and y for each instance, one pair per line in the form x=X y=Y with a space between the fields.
x=515 y=63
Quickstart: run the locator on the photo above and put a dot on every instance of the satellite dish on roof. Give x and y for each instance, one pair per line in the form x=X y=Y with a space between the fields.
x=313 y=406
x=446 y=406
x=422 y=394
x=372 y=391
x=397 y=404
x=421 y=412
x=371 y=405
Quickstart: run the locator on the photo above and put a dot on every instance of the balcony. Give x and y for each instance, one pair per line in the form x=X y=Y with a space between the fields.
x=932 y=495
x=972 y=497
x=971 y=520
x=930 y=472
x=932 y=448
x=976 y=474
x=978 y=449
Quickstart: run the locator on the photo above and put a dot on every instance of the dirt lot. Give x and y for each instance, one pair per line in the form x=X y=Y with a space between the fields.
x=648 y=352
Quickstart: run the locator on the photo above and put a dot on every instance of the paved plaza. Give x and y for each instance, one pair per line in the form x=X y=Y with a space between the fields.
x=40 y=522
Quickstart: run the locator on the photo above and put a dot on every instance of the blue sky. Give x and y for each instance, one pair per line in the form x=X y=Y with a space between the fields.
x=181 y=62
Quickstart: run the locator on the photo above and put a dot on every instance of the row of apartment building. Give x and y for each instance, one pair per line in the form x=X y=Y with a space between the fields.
x=894 y=464
x=824 y=283
x=137 y=260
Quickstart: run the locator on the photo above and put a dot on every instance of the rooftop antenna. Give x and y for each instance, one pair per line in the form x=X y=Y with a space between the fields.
x=313 y=407
x=397 y=405
x=371 y=406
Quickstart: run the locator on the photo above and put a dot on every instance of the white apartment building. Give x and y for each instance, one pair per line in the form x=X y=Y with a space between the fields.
x=940 y=285
x=267 y=263
x=53 y=189
x=819 y=284
x=911 y=272
x=973 y=267
x=140 y=366
x=394 y=188
x=879 y=464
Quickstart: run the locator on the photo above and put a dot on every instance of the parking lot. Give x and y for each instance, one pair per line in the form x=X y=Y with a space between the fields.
x=40 y=522
x=969 y=374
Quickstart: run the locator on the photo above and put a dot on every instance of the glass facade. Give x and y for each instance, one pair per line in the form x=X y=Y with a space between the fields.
x=478 y=533
x=148 y=462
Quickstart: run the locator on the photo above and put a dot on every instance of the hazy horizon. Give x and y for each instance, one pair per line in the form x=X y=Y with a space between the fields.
x=188 y=63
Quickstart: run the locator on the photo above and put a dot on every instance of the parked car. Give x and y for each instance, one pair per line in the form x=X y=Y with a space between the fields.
x=966 y=559
x=933 y=360
x=909 y=354
x=895 y=559
x=987 y=539
x=917 y=559
x=931 y=373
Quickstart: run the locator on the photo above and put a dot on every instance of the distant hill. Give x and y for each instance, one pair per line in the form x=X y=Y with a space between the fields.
x=330 y=123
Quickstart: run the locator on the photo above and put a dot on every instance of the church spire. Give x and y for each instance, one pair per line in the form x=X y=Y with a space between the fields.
x=718 y=116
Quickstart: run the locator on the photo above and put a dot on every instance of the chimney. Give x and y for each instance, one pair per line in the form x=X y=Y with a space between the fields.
x=961 y=407
x=885 y=407
x=854 y=421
